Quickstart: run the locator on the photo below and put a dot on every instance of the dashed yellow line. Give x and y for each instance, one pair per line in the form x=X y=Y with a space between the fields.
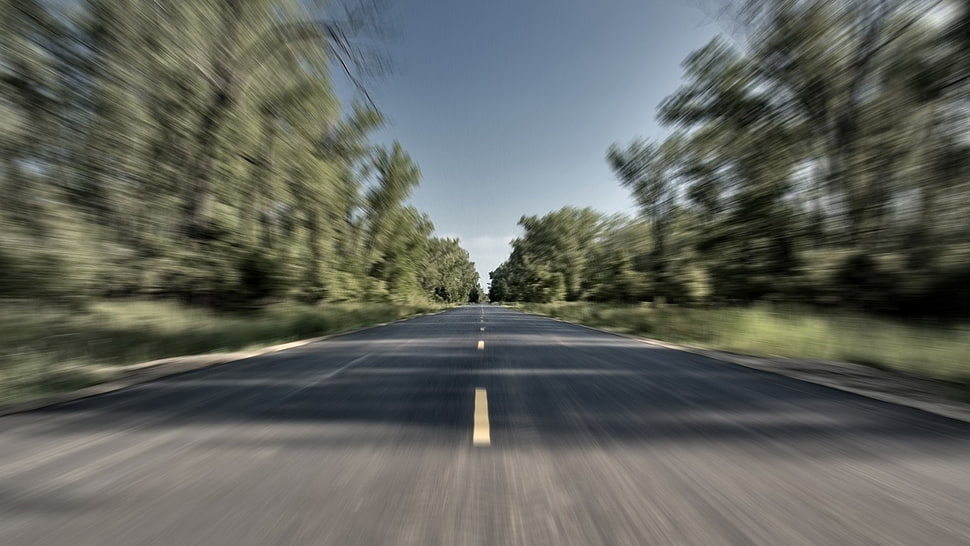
x=481 y=436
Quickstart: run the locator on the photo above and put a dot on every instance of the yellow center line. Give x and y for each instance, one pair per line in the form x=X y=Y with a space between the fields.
x=481 y=436
x=481 y=345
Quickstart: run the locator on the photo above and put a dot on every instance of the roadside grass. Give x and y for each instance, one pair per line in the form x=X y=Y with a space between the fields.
x=48 y=349
x=929 y=350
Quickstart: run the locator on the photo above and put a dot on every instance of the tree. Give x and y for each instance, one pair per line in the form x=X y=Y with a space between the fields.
x=197 y=149
x=821 y=158
x=447 y=273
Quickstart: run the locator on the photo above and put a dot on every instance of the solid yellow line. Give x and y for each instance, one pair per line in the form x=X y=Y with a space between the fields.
x=481 y=345
x=481 y=436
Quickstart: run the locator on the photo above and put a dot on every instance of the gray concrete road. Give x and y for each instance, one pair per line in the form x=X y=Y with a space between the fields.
x=588 y=438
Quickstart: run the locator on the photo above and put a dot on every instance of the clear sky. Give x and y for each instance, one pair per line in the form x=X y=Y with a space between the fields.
x=508 y=106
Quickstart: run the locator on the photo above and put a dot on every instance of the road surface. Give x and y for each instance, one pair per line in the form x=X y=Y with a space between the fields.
x=482 y=425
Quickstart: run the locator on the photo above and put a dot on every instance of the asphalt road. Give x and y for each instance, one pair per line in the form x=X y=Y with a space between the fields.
x=588 y=439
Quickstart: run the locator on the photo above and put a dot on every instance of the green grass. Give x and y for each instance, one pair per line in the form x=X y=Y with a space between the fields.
x=936 y=351
x=45 y=350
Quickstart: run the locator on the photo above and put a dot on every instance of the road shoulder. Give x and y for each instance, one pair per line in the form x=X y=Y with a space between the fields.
x=887 y=386
x=146 y=372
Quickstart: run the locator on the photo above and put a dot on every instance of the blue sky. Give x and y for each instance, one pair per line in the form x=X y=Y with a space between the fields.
x=509 y=106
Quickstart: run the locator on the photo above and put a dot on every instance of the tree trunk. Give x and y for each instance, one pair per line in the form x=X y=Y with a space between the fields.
x=313 y=240
x=255 y=197
x=223 y=87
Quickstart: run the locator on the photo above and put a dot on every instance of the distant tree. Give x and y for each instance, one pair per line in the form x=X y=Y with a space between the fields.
x=447 y=273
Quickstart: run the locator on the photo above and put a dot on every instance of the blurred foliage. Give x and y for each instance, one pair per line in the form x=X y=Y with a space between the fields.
x=196 y=149
x=822 y=156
